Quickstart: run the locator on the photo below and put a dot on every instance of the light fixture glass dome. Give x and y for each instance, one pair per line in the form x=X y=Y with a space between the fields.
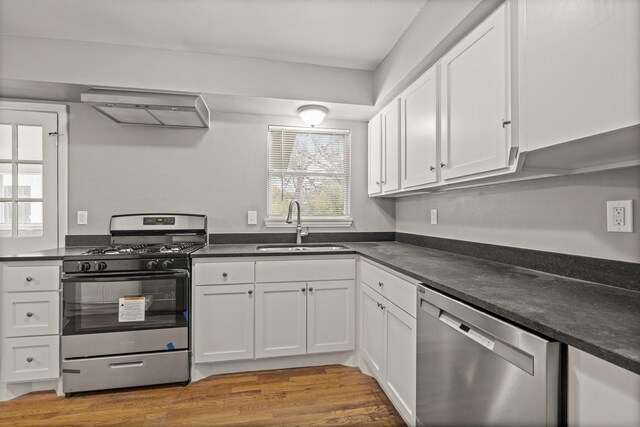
x=312 y=114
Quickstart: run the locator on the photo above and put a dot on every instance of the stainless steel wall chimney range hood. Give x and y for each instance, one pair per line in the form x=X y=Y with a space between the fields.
x=149 y=108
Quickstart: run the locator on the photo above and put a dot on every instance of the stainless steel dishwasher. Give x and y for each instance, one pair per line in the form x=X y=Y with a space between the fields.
x=476 y=370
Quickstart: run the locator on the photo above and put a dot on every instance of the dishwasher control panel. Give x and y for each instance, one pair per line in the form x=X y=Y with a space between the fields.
x=468 y=331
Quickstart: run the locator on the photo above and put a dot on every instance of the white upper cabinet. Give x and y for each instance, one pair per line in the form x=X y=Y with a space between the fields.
x=391 y=146
x=419 y=131
x=384 y=150
x=580 y=70
x=375 y=156
x=475 y=100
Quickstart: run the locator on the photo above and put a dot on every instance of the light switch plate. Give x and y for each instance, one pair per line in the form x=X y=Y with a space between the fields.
x=620 y=216
x=252 y=217
x=83 y=217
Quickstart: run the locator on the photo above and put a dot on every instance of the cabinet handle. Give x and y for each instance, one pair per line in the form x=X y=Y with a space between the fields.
x=303 y=290
x=432 y=168
x=505 y=122
x=224 y=274
x=380 y=284
x=377 y=182
x=250 y=292
x=382 y=307
x=443 y=165
x=379 y=305
x=382 y=182
x=29 y=359
x=29 y=279
x=29 y=314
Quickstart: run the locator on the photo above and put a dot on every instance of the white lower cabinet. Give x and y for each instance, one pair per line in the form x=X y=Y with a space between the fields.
x=388 y=345
x=295 y=318
x=30 y=358
x=600 y=393
x=372 y=327
x=331 y=317
x=30 y=327
x=399 y=345
x=281 y=321
x=290 y=307
x=224 y=322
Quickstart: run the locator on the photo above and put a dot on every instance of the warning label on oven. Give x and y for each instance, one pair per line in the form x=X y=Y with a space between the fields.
x=131 y=309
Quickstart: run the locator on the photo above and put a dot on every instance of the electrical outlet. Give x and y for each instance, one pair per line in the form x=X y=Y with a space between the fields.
x=252 y=217
x=620 y=216
x=83 y=217
x=434 y=216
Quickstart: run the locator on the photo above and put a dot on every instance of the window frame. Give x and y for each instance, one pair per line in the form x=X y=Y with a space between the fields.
x=278 y=221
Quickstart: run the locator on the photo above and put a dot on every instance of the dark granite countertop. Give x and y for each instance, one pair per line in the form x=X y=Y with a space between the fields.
x=598 y=319
x=45 y=255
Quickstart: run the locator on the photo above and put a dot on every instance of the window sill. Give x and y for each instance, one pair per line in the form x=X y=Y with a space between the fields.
x=279 y=222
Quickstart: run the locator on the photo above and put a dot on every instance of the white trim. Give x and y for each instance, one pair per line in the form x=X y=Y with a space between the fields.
x=62 y=110
x=309 y=129
x=338 y=221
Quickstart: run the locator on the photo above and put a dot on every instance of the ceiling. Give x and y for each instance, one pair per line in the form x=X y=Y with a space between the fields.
x=354 y=34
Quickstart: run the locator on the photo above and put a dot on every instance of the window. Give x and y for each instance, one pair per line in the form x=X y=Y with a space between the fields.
x=312 y=166
x=32 y=172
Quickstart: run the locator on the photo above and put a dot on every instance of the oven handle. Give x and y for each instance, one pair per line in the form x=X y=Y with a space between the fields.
x=105 y=277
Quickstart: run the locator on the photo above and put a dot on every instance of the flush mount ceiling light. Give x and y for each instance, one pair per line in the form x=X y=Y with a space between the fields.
x=312 y=114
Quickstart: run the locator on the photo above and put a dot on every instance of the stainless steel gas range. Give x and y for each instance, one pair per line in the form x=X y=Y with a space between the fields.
x=126 y=306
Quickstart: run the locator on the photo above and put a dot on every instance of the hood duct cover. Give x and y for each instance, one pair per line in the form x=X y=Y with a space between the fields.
x=149 y=108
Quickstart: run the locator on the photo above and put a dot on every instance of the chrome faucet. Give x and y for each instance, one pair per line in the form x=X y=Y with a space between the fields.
x=299 y=233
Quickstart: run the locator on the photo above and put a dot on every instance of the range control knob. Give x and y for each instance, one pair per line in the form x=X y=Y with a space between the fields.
x=167 y=264
x=101 y=266
x=84 y=266
x=152 y=265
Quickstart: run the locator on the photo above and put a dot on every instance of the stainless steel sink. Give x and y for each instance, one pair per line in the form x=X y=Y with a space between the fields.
x=300 y=248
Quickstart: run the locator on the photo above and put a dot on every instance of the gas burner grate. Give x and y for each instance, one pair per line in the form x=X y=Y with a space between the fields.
x=120 y=249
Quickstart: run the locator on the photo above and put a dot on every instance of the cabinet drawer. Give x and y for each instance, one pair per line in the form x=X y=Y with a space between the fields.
x=223 y=273
x=305 y=270
x=31 y=358
x=397 y=290
x=30 y=313
x=30 y=278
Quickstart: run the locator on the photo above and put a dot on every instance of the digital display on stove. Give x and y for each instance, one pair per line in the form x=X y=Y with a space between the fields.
x=159 y=220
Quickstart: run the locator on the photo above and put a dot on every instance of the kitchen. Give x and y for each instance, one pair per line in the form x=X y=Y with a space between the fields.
x=556 y=223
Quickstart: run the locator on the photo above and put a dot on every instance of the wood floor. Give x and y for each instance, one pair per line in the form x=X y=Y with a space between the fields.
x=326 y=395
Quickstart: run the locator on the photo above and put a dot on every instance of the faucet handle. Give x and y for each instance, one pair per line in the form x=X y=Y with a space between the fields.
x=304 y=233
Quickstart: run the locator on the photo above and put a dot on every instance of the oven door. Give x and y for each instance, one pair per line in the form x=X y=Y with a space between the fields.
x=116 y=313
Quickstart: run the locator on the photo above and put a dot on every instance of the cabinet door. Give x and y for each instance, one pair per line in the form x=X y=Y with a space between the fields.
x=223 y=322
x=474 y=90
x=281 y=319
x=391 y=146
x=375 y=156
x=372 y=325
x=419 y=136
x=600 y=393
x=30 y=313
x=331 y=318
x=400 y=360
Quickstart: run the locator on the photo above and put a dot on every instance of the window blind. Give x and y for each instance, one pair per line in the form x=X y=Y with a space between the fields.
x=312 y=166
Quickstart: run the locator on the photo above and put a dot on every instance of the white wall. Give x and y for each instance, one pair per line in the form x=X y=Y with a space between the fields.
x=565 y=214
x=100 y=64
x=221 y=172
